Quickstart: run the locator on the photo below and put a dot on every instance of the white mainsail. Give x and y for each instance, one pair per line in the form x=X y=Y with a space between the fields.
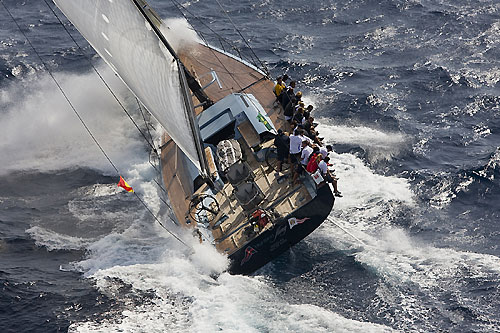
x=125 y=40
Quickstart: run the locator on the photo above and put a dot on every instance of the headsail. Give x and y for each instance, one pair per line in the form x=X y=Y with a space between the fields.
x=125 y=40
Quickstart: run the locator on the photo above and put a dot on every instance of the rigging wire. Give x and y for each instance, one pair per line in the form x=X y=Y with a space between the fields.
x=151 y=144
x=178 y=5
x=244 y=39
x=251 y=60
x=99 y=74
x=349 y=233
x=85 y=125
x=207 y=44
x=145 y=122
x=155 y=153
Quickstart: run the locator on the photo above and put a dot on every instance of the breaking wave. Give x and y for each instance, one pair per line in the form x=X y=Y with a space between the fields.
x=54 y=241
x=41 y=132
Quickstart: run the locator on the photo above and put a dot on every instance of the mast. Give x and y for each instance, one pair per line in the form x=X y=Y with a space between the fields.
x=195 y=129
x=186 y=80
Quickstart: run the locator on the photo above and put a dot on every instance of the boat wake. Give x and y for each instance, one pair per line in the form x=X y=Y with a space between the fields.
x=422 y=282
x=165 y=287
x=161 y=285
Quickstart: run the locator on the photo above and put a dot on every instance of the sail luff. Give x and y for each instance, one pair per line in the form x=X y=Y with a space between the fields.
x=156 y=30
x=191 y=81
x=195 y=130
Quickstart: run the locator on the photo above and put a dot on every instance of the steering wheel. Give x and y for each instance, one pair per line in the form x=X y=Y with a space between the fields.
x=204 y=208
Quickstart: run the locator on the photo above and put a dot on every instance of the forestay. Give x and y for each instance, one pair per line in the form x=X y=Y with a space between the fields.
x=122 y=37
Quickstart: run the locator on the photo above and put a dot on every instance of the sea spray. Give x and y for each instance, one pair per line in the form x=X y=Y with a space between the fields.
x=179 y=33
x=41 y=132
x=378 y=144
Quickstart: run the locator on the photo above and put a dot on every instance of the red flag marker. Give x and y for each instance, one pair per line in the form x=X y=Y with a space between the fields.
x=122 y=183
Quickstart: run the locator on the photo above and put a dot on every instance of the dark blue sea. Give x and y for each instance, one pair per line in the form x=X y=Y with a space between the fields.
x=407 y=91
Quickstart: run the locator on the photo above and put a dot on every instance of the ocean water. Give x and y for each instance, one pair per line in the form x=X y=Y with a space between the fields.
x=406 y=91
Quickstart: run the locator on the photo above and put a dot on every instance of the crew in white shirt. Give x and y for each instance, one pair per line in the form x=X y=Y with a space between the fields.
x=306 y=152
x=323 y=167
x=295 y=144
x=325 y=150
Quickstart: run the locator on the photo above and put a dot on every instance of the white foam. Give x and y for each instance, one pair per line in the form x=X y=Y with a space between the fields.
x=146 y=258
x=368 y=202
x=39 y=131
x=55 y=241
x=491 y=166
x=365 y=189
x=403 y=259
x=379 y=145
x=179 y=33
x=100 y=190
x=230 y=304
x=382 y=33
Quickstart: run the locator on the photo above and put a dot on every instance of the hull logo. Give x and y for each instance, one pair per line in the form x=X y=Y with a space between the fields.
x=249 y=252
x=280 y=232
x=292 y=222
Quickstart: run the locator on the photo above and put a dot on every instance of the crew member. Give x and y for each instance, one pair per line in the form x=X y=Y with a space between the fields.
x=323 y=167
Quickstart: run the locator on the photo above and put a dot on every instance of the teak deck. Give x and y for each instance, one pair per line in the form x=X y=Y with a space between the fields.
x=233 y=76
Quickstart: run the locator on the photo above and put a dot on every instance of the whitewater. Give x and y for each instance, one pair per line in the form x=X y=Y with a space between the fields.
x=405 y=91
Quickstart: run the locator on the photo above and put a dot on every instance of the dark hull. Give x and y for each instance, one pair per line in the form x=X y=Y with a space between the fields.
x=285 y=233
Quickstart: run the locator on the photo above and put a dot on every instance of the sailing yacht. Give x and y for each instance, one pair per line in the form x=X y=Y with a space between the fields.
x=220 y=117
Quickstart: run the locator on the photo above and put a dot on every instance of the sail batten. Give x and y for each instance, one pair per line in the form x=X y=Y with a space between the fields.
x=127 y=43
